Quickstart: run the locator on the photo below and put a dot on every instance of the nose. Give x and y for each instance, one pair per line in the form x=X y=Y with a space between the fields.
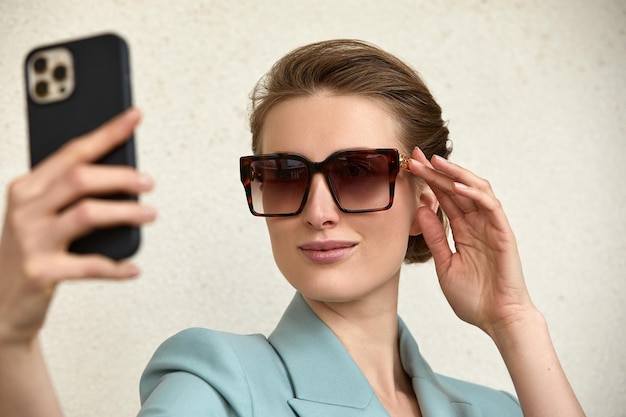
x=320 y=210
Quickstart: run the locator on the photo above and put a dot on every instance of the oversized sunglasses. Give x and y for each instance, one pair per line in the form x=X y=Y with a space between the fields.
x=360 y=180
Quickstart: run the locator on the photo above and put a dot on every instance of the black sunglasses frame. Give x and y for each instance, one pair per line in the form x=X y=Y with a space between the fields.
x=395 y=161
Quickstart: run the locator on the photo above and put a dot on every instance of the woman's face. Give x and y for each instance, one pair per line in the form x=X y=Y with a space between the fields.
x=324 y=253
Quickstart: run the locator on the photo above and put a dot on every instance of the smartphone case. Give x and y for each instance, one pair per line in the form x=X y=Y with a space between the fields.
x=102 y=90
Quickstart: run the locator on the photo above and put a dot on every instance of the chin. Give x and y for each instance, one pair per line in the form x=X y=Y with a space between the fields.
x=328 y=288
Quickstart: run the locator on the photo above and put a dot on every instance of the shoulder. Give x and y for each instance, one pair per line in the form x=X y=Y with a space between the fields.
x=491 y=402
x=214 y=369
x=198 y=349
x=193 y=347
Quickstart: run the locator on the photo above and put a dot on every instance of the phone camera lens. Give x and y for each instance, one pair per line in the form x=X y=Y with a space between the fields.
x=41 y=89
x=60 y=73
x=40 y=65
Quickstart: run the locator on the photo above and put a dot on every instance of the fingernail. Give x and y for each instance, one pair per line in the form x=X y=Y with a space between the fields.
x=148 y=213
x=461 y=186
x=132 y=270
x=440 y=158
x=132 y=114
x=145 y=182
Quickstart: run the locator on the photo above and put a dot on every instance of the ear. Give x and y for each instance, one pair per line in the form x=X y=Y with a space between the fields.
x=428 y=199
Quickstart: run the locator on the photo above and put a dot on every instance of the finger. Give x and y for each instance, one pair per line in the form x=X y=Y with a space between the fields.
x=423 y=167
x=463 y=182
x=49 y=270
x=92 y=180
x=419 y=156
x=90 y=214
x=435 y=238
x=89 y=147
x=486 y=202
x=472 y=187
x=96 y=266
x=449 y=206
x=453 y=205
x=442 y=197
x=461 y=175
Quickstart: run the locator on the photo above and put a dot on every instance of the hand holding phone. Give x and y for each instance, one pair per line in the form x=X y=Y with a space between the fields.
x=72 y=88
x=83 y=179
x=50 y=207
x=79 y=156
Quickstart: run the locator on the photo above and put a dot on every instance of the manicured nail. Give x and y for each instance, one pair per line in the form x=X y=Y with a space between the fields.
x=461 y=186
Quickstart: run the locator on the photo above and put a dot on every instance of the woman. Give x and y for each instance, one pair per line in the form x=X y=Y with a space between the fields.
x=350 y=171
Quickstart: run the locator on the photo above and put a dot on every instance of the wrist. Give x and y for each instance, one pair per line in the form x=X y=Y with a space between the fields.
x=518 y=328
x=540 y=382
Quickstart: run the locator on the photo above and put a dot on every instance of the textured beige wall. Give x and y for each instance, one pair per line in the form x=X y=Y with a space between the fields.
x=535 y=92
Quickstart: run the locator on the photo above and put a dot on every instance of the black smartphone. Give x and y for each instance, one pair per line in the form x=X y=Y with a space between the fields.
x=72 y=88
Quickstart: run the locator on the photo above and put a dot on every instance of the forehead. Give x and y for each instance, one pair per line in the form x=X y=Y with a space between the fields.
x=319 y=125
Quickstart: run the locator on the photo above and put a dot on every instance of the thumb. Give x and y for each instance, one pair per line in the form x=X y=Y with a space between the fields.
x=435 y=237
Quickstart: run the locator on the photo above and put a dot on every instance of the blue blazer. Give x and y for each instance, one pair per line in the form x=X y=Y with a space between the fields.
x=302 y=369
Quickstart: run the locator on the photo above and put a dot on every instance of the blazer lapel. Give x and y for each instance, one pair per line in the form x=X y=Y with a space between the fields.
x=326 y=381
x=435 y=399
x=304 y=408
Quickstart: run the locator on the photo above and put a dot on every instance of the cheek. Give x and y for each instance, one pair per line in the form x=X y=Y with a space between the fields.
x=273 y=231
x=278 y=230
x=406 y=200
x=405 y=205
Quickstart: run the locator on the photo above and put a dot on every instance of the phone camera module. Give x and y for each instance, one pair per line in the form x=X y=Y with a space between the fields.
x=41 y=89
x=60 y=73
x=40 y=65
x=51 y=75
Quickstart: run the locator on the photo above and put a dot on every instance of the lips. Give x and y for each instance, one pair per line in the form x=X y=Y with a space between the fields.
x=328 y=251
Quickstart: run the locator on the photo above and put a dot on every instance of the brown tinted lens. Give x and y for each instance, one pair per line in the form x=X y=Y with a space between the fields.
x=278 y=185
x=360 y=180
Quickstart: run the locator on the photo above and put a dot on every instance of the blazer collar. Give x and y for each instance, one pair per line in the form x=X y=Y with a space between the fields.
x=326 y=380
x=435 y=398
x=322 y=371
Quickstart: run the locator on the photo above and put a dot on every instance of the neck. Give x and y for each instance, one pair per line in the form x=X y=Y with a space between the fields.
x=368 y=329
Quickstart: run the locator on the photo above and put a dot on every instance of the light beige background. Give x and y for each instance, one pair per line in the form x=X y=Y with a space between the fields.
x=535 y=92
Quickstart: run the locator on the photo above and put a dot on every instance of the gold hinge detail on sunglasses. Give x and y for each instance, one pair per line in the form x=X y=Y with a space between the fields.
x=404 y=162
